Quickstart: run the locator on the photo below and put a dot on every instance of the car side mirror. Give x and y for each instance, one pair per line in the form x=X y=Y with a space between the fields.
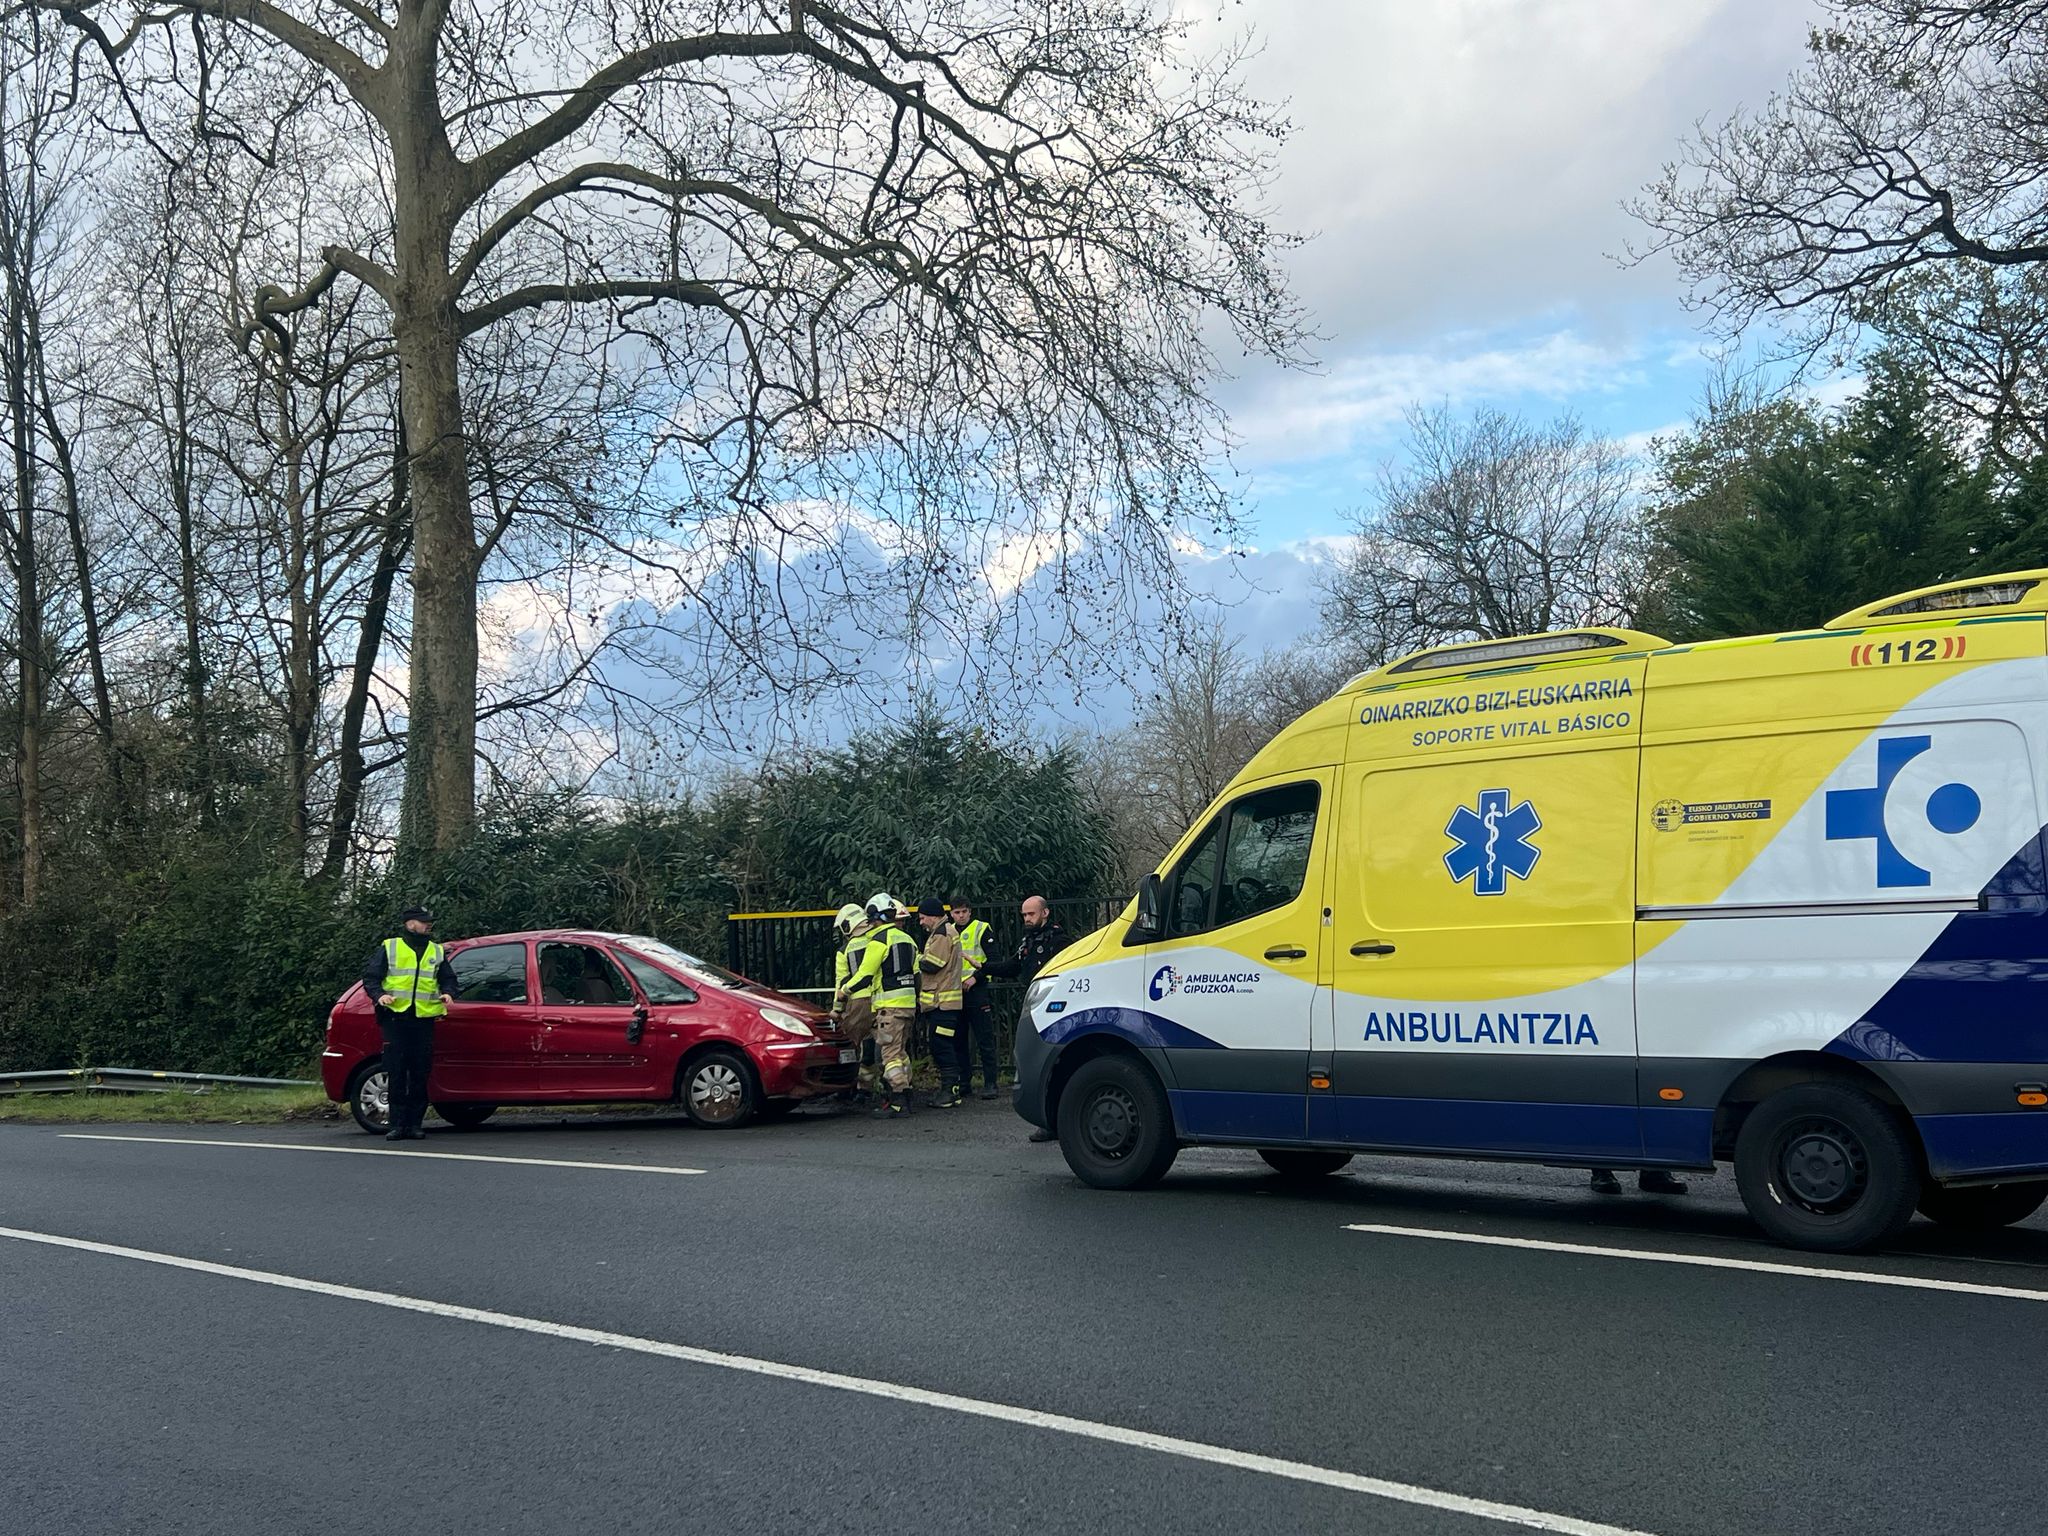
x=638 y=1027
x=1151 y=921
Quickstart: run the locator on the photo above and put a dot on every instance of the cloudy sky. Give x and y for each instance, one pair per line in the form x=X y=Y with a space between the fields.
x=1460 y=165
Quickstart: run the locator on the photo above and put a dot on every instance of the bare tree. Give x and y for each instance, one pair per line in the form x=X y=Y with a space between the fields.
x=952 y=262
x=1912 y=139
x=1492 y=527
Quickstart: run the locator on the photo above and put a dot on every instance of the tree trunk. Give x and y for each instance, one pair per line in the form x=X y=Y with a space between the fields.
x=350 y=769
x=189 y=598
x=115 y=800
x=28 y=763
x=440 y=751
x=302 y=703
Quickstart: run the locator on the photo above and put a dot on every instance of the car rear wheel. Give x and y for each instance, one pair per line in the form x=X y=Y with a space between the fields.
x=718 y=1091
x=1116 y=1127
x=369 y=1098
x=1302 y=1162
x=1826 y=1166
x=465 y=1117
x=1982 y=1207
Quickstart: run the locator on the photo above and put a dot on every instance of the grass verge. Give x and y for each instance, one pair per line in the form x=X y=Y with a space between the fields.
x=241 y=1106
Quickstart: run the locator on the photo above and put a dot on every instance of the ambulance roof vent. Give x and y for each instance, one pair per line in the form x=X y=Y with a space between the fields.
x=2018 y=592
x=1550 y=647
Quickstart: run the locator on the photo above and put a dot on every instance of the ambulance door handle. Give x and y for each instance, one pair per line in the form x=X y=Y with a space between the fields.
x=1369 y=947
x=1286 y=952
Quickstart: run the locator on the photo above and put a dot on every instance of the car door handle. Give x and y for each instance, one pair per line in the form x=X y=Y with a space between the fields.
x=1371 y=947
x=1286 y=952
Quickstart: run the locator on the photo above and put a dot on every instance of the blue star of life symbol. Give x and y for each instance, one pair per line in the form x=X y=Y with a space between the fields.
x=1859 y=813
x=1493 y=842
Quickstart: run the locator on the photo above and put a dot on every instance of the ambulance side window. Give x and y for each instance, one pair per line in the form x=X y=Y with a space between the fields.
x=1193 y=883
x=1251 y=859
x=1265 y=856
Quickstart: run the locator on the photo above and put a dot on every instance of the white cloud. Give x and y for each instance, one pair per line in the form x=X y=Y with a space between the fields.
x=1307 y=416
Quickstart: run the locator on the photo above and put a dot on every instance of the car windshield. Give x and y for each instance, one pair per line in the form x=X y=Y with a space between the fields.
x=690 y=965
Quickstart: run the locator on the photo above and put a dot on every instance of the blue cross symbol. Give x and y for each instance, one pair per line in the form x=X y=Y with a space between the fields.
x=1493 y=843
x=1858 y=813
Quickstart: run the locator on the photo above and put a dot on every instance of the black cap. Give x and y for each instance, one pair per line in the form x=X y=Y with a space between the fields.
x=415 y=915
x=931 y=909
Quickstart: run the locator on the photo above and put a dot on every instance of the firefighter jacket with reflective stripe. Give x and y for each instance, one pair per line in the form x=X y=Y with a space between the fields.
x=846 y=969
x=888 y=967
x=412 y=977
x=938 y=977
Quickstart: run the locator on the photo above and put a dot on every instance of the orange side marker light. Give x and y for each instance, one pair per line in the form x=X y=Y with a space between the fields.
x=1673 y=1094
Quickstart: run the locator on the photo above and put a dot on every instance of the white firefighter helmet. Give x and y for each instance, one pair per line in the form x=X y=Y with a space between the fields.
x=847 y=916
x=882 y=905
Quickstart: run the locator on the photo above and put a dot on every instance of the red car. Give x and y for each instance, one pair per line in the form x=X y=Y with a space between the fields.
x=571 y=1017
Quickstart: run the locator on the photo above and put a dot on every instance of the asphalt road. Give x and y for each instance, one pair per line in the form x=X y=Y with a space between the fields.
x=844 y=1326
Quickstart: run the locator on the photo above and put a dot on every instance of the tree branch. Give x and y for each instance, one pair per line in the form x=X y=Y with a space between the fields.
x=584 y=103
x=535 y=295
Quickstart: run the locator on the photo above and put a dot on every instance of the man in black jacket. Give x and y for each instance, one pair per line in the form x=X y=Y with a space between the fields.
x=1043 y=938
x=412 y=982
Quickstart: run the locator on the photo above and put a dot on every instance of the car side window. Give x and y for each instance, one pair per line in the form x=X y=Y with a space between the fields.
x=580 y=976
x=1191 y=887
x=490 y=973
x=1265 y=851
x=657 y=984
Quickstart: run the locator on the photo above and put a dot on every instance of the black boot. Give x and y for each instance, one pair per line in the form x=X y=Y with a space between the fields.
x=1655 y=1181
x=1605 y=1183
x=1042 y=1134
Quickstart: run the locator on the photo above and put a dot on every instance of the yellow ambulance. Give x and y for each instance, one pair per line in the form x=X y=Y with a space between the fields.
x=1593 y=899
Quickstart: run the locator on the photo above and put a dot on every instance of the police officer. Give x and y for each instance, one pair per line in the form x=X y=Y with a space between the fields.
x=1043 y=938
x=890 y=962
x=977 y=1019
x=854 y=1008
x=413 y=983
x=938 y=989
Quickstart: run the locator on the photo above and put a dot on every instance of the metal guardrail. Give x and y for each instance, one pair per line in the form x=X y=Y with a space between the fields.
x=134 y=1080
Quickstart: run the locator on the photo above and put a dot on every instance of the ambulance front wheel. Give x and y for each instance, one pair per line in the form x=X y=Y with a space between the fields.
x=1116 y=1127
x=1826 y=1166
x=1981 y=1207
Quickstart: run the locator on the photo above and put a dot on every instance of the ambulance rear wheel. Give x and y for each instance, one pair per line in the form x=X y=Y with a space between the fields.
x=1302 y=1163
x=1116 y=1127
x=1983 y=1207
x=1828 y=1167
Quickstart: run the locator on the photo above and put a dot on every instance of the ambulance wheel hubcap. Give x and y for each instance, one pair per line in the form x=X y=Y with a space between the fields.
x=1824 y=1165
x=1112 y=1122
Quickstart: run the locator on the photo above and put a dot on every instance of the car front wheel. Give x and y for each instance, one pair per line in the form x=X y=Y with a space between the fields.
x=718 y=1092
x=465 y=1117
x=369 y=1099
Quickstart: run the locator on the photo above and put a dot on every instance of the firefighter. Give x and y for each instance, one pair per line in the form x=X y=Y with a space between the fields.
x=854 y=1010
x=938 y=989
x=887 y=970
x=977 y=1019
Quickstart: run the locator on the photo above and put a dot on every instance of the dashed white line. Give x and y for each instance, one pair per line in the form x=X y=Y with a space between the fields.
x=439 y=1157
x=1704 y=1261
x=1057 y=1423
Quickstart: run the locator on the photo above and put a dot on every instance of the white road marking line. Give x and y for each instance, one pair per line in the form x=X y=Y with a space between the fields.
x=439 y=1157
x=1059 y=1423
x=1703 y=1261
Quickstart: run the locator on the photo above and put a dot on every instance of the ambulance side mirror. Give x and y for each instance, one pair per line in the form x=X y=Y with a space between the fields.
x=1151 y=921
